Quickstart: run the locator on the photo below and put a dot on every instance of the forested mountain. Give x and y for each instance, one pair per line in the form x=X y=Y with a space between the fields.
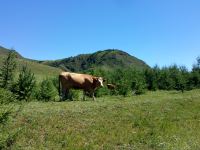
x=109 y=59
x=106 y=60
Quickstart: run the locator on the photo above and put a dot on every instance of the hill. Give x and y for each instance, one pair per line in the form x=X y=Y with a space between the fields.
x=107 y=59
x=40 y=70
x=5 y=51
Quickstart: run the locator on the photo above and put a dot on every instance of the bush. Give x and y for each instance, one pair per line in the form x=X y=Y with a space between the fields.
x=6 y=96
x=151 y=78
x=25 y=84
x=74 y=94
x=4 y=116
x=55 y=83
x=7 y=137
x=138 y=85
x=8 y=70
x=123 y=88
x=102 y=91
x=47 y=91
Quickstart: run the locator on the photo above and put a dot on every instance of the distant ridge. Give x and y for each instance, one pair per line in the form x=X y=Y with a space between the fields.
x=109 y=59
x=5 y=51
x=40 y=70
x=105 y=59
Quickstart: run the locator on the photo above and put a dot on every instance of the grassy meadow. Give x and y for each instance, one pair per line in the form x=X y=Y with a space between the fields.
x=40 y=71
x=155 y=120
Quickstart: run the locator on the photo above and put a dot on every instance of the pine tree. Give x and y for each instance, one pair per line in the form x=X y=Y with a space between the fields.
x=8 y=70
x=195 y=75
x=47 y=91
x=25 y=84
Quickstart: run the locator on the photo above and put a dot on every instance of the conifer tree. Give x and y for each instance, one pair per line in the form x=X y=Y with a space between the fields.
x=8 y=70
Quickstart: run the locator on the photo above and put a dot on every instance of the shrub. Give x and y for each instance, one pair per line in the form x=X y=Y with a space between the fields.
x=138 y=85
x=47 y=91
x=151 y=78
x=25 y=84
x=123 y=88
x=7 y=137
x=6 y=96
x=102 y=91
x=7 y=70
x=55 y=83
x=4 y=116
x=74 y=94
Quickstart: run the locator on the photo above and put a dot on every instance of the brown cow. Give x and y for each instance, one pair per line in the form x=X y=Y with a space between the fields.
x=86 y=82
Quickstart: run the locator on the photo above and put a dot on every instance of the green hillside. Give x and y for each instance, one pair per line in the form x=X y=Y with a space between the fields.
x=107 y=59
x=40 y=70
x=4 y=52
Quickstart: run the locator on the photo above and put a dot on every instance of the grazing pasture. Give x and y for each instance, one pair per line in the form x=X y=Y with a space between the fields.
x=155 y=120
x=41 y=71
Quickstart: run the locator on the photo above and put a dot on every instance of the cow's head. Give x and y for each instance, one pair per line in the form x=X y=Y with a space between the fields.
x=98 y=81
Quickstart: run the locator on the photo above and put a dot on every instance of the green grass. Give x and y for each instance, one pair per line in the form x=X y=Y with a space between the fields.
x=41 y=71
x=156 y=120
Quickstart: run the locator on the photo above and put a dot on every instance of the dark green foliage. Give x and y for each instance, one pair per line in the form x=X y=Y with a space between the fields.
x=181 y=79
x=123 y=88
x=195 y=74
x=73 y=95
x=55 y=83
x=8 y=70
x=47 y=90
x=168 y=78
x=138 y=85
x=7 y=138
x=195 y=79
x=4 y=116
x=110 y=59
x=6 y=96
x=127 y=81
x=151 y=77
x=165 y=82
x=25 y=84
x=102 y=91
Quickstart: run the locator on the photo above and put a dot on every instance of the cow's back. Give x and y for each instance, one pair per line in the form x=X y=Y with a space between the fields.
x=76 y=80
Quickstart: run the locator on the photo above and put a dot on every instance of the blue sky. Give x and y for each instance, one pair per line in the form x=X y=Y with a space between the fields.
x=159 y=32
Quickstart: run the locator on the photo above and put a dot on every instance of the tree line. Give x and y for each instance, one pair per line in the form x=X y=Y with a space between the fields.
x=127 y=81
x=135 y=82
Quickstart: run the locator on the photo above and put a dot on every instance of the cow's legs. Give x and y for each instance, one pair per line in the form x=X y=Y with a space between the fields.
x=93 y=96
x=67 y=94
x=91 y=93
x=63 y=93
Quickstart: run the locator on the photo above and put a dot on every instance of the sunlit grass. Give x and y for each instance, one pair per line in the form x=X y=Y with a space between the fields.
x=40 y=71
x=156 y=120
